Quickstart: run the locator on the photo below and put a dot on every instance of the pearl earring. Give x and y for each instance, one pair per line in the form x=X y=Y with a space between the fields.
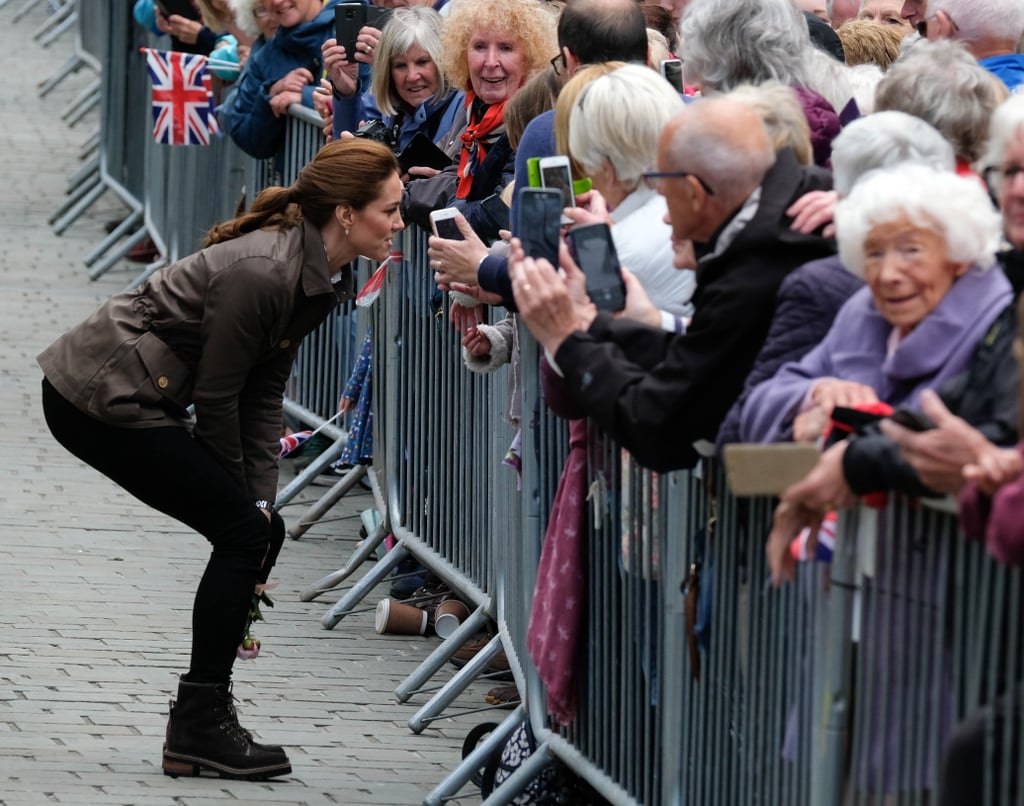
x=347 y=230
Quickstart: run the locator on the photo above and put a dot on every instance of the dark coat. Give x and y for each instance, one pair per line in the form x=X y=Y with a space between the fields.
x=657 y=392
x=218 y=329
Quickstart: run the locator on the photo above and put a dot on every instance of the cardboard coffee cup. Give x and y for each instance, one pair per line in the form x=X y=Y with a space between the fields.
x=398 y=618
x=449 y=615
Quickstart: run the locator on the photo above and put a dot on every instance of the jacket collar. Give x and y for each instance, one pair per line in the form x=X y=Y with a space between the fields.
x=930 y=345
x=316 y=274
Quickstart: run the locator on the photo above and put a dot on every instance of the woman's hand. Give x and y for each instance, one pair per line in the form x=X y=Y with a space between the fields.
x=813 y=210
x=366 y=44
x=279 y=103
x=828 y=393
x=591 y=208
x=803 y=505
x=810 y=425
x=345 y=405
x=477 y=293
x=422 y=172
x=552 y=306
x=293 y=81
x=343 y=72
x=465 y=319
x=456 y=261
x=476 y=343
x=180 y=27
x=323 y=103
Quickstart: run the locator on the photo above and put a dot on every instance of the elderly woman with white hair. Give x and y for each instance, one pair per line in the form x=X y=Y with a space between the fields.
x=924 y=241
x=811 y=296
x=1004 y=169
x=613 y=133
x=726 y=43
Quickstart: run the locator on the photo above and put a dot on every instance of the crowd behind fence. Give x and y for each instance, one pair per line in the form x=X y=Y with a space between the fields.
x=836 y=689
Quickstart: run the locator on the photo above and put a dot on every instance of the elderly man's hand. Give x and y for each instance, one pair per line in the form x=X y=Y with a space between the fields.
x=941 y=455
x=638 y=305
x=456 y=261
x=591 y=208
x=804 y=505
x=553 y=307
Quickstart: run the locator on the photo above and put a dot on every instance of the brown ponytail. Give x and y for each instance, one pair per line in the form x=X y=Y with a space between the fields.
x=347 y=172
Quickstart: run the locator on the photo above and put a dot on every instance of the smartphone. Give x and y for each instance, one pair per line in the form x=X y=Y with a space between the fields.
x=350 y=18
x=672 y=72
x=539 y=222
x=556 y=173
x=593 y=250
x=444 y=226
x=182 y=8
x=913 y=420
x=421 y=152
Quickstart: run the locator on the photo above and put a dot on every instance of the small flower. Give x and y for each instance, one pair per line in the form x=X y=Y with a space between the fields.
x=249 y=648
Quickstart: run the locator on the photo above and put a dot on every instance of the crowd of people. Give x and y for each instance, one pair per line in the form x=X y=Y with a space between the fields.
x=824 y=216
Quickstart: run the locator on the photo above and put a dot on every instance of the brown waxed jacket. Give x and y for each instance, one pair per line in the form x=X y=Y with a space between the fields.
x=218 y=329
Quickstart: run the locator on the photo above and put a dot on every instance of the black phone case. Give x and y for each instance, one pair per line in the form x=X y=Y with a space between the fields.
x=421 y=152
x=182 y=8
x=604 y=298
x=349 y=18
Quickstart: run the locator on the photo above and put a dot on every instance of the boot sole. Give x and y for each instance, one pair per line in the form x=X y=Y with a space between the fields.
x=176 y=765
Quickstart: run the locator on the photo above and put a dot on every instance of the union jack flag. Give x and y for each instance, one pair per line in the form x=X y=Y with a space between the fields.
x=182 y=101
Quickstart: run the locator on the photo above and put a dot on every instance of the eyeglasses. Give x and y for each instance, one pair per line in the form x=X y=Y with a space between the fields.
x=260 y=13
x=556 y=61
x=922 y=26
x=996 y=175
x=651 y=179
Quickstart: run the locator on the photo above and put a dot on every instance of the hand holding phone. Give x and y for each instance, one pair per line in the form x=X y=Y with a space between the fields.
x=593 y=250
x=538 y=222
x=443 y=223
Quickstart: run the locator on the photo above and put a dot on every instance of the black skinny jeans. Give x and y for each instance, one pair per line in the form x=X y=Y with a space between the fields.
x=170 y=471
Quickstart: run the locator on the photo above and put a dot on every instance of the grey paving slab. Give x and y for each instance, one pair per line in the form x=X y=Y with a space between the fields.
x=95 y=590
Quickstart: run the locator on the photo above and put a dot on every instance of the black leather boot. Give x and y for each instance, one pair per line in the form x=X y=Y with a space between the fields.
x=203 y=733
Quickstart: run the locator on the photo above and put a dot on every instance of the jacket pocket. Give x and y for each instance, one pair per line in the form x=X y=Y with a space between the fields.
x=169 y=378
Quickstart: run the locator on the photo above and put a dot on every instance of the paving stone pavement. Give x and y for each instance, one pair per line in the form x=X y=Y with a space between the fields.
x=95 y=589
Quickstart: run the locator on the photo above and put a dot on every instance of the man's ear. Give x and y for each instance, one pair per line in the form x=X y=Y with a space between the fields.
x=572 y=64
x=945 y=25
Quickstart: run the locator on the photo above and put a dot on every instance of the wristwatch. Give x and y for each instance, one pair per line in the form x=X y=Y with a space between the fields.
x=263 y=503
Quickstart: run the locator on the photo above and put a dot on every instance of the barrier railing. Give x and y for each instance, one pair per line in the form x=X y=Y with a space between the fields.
x=838 y=689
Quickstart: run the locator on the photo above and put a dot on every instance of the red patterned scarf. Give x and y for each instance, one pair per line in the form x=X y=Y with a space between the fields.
x=476 y=140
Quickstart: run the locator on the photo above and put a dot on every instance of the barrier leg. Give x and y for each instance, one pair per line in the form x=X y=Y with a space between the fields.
x=326 y=501
x=26 y=7
x=55 y=20
x=363 y=552
x=112 y=257
x=436 y=659
x=65 y=25
x=73 y=64
x=90 y=168
x=84 y=102
x=91 y=147
x=87 y=201
x=450 y=691
x=115 y=235
x=373 y=578
x=75 y=195
x=461 y=775
x=316 y=467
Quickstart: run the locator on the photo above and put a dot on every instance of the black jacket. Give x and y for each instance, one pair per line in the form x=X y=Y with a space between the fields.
x=657 y=392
